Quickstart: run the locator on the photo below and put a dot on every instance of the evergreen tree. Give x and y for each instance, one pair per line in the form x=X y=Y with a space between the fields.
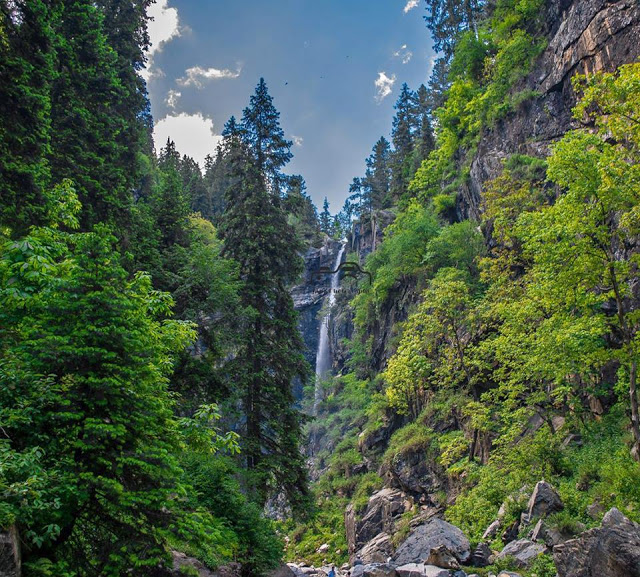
x=446 y=19
x=425 y=140
x=258 y=237
x=26 y=71
x=88 y=101
x=325 y=218
x=403 y=135
x=262 y=133
x=377 y=181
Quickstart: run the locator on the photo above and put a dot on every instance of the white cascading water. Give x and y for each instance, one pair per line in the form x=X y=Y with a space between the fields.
x=323 y=355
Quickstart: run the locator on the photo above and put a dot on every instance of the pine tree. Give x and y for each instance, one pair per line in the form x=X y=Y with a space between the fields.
x=377 y=180
x=325 y=218
x=403 y=135
x=262 y=133
x=258 y=237
x=446 y=19
x=26 y=71
x=425 y=140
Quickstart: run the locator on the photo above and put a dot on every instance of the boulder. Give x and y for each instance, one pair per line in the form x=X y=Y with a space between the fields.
x=511 y=532
x=383 y=509
x=378 y=550
x=508 y=574
x=378 y=570
x=544 y=500
x=324 y=548
x=10 y=558
x=421 y=570
x=442 y=557
x=611 y=550
x=181 y=562
x=523 y=551
x=432 y=534
x=481 y=556
x=492 y=530
x=282 y=571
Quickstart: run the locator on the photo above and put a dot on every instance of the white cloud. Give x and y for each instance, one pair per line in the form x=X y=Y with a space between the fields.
x=297 y=140
x=404 y=54
x=410 y=5
x=163 y=27
x=172 y=98
x=192 y=133
x=384 y=85
x=196 y=76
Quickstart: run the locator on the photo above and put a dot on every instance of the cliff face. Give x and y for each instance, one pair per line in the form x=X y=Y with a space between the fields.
x=584 y=36
x=309 y=295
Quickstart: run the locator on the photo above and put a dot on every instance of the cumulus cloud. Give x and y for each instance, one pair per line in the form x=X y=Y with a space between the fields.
x=172 y=98
x=197 y=76
x=404 y=54
x=384 y=85
x=410 y=5
x=297 y=140
x=164 y=26
x=193 y=135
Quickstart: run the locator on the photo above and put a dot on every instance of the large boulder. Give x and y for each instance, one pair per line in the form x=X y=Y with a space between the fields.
x=611 y=550
x=378 y=570
x=434 y=533
x=378 y=550
x=543 y=501
x=421 y=570
x=442 y=557
x=523 y=551
x=383 y=509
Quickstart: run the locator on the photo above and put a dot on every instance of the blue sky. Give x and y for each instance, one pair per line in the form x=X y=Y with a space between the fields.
x=333 y=67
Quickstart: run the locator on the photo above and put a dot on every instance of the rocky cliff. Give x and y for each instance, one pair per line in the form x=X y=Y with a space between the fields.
x=584 y=36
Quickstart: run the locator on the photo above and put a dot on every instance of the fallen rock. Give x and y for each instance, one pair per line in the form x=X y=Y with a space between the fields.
x=282 y=571
x=378 y=570
x=611 y=550
x=181 y=560
x=544 y=500
x=432 y=534
x=10 y=559
x=323 y=548
x=441 y=557
x=508 y=574
x=378 y=550
x=511 y=532
x=410 y=570
x=492 y=530
x=481 y=556
x=523 y=551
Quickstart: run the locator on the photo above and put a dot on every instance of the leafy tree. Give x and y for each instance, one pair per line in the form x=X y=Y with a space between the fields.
x=446 y=19
x=84 y=363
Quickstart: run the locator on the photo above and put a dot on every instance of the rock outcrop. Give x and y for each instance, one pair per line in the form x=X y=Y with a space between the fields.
x=380 y=515
x=434 y=533
x=585 y=36
x=612 y=550
x=523 y=551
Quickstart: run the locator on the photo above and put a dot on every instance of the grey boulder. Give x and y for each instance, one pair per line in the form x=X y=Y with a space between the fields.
x=523 y=551
x=434 y=533
x=611 y=550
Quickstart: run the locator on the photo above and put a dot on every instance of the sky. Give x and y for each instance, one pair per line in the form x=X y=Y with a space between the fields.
x=333 y=67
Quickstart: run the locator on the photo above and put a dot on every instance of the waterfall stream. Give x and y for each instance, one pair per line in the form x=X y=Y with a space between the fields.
x=323 y=355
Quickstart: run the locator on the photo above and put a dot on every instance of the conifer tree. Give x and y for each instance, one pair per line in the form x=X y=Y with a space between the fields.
x=26 y=71
x=262 y=133
x=403 y=134
x=325 y=217
x=258 y=237
x=377 y=180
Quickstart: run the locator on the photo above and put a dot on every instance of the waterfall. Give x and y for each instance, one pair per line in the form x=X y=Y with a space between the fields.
x=323 y=355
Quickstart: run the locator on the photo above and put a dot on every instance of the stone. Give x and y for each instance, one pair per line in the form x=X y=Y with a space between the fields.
x=378 y=570
x=441 y=557
x=378 y=550
x=511 y=532
x=523 y=551
x=433 y=571
x=182 y=561
x=382 y=511
x=430 y=535
x=508 y=574
x=411 y=570
x=492 y=530
x=481 y=556
x=595 y=510
x=10 y=556
x=323 y=548
x=611 y=550
x=544 y=500
x=282 y=571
